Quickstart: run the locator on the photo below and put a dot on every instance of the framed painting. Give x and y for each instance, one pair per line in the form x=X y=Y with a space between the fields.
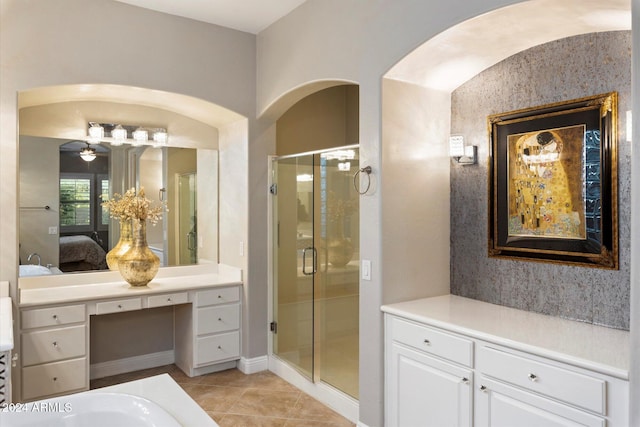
x=553 y=183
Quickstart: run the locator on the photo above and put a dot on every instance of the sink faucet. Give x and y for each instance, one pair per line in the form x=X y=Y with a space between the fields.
x=32 y=255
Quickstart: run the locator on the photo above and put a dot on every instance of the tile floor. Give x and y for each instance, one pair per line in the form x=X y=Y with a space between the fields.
x=234 y=399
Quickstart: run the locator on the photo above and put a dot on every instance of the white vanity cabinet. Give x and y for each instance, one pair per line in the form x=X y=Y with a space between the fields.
x=213 y=337
x=454 y=361
x=54 y=327
x=428 y=376
x=513 y=385
x=54 y=350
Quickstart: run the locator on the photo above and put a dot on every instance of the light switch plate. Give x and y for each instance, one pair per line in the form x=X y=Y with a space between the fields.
x=366 y=269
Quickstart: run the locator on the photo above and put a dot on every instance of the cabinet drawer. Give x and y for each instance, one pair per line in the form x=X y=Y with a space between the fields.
x=168 y=299
x=431 y=340
x=552 y=381
x=118 y=306
x=53 y=316
x=218 y=319
x=216 y=348
x=54 y=378
x=218 y=296
x=53 y=344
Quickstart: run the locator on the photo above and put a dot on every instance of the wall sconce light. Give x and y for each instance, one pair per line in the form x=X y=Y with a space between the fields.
x=117 y=134
x=463 y=155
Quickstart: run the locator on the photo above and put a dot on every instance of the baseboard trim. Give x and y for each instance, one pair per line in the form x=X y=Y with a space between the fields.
x=253 y=365
x=130 y=364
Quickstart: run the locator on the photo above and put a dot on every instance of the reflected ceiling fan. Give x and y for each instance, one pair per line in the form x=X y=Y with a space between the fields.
x=86 y=151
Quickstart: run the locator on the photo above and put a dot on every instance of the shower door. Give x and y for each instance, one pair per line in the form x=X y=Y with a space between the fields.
x=316 y=266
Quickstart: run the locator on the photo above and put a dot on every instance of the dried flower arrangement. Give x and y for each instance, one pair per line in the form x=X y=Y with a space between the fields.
x=130 y=206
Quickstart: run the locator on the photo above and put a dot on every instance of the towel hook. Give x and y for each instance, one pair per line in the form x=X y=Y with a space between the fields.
x=367 y=170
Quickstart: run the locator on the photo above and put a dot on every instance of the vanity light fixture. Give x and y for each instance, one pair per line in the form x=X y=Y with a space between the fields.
x=117 y=134
x=463 y=155
x=88 y=154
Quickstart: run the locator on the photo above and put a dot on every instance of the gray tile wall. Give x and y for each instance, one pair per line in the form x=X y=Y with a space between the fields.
x=561 y=70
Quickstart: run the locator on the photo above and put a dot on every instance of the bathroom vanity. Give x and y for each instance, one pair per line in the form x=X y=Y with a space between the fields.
x=55 y=314
x=450 y=360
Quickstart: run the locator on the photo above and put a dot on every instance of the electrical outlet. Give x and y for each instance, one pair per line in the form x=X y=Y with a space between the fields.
x=53 y=230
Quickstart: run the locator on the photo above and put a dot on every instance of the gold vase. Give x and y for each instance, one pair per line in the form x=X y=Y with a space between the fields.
x=340 y=251
x=139 y=265
x=123 y=245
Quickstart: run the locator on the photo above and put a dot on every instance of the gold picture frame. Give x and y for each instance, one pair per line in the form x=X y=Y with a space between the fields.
x=553 y=183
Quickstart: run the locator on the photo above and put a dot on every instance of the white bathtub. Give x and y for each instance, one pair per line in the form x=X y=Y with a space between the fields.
x=151 y=402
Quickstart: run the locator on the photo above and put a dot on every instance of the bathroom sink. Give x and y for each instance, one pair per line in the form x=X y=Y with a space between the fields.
x=33 y=270
x=96 y=409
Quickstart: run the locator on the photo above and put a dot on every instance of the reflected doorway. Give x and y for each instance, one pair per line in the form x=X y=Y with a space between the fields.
x=187 y=219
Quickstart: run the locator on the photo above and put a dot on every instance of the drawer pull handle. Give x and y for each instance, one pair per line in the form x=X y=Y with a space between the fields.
x=55 y=378
x=55 y=344
x=465 y=380
x=219 y=296
x=120 y=306
x=483 y=388
x=55 y=317
x=533 y=377
x=219 y=348
x=168 y=299
x=219 y=319
x=427 y=342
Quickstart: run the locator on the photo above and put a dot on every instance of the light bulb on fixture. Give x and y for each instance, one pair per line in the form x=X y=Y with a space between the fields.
x=140 y=136
x=88 y=154
x=119 y=135
x=96 y=132
x=160 y=137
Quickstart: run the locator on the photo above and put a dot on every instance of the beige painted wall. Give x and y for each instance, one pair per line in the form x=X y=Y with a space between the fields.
x=150 y=174
x=325 y=119
x=122 y=335
x=415 y=213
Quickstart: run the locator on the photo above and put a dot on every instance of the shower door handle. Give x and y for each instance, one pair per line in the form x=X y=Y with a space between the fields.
x=191 y=241
x=304 y=261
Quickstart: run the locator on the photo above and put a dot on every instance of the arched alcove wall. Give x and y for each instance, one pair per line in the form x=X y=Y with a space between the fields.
x=405 y=140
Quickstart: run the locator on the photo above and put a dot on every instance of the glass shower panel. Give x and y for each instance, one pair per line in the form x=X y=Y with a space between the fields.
x=337 y=280
x=295 y=260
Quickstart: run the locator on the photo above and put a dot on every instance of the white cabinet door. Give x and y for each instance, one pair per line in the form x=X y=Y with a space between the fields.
x=499 y=405
x=423 y=391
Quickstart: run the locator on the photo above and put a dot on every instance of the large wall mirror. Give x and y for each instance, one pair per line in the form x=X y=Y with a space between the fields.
x=64 y=229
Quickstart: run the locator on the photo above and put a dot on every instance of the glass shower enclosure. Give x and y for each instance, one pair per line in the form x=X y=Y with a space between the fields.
x=316 y=266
